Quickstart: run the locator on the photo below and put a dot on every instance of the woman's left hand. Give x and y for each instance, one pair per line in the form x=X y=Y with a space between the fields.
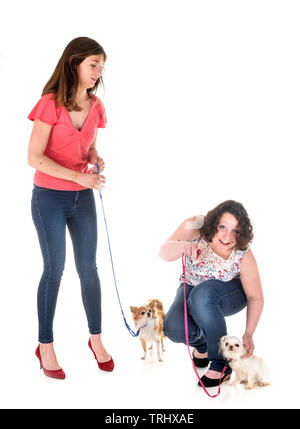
x=94 y=158
x=249 y=345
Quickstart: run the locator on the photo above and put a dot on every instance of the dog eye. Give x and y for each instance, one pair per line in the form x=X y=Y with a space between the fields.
x=226 y=344
x=237 y=345
x=143 y=312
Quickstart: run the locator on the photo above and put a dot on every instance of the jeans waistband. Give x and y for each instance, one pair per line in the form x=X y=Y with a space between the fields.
x=42 y=189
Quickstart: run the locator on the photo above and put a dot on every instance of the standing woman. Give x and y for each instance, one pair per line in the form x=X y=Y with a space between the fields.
x=62 y=144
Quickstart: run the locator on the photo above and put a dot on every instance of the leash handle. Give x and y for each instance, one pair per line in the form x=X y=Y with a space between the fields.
x=112 y=265
x=183 y=257
x=98 y=172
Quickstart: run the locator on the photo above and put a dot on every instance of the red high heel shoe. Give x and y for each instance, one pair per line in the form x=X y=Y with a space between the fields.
x=55 y=373
x=105 y=366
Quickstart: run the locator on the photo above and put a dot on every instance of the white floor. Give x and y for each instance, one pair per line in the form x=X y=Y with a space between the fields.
x=133 y=384
x=202 y=106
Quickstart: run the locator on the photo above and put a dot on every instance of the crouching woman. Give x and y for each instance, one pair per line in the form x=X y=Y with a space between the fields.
x=221 y=279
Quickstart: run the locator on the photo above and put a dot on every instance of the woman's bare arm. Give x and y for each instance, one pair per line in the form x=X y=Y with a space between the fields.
x=36 y=158
x=173 y=248
x=255 y=301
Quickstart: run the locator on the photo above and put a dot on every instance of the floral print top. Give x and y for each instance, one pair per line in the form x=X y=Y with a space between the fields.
x=212 y=266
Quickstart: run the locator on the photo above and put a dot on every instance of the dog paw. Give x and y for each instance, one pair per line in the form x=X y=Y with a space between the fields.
x=160 y=360
x=263 y=383
x=143 y=357
x=248 y=386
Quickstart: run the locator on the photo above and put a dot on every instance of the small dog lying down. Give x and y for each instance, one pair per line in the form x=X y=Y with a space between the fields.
x=149 y=319
x=251 y=371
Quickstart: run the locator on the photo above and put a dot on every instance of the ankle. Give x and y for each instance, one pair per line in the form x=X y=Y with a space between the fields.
x=95 y=338
x=48 y=356
x=199 y=355
x=46 y=347
x=211 y=373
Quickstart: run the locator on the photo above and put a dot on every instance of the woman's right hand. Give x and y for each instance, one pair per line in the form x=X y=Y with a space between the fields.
x=90 y=180
x=194 y=250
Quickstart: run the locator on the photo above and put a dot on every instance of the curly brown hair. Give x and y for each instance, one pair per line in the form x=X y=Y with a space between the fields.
x=212 y=218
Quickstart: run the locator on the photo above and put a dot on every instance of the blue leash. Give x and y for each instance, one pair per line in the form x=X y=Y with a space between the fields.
x=112 y=264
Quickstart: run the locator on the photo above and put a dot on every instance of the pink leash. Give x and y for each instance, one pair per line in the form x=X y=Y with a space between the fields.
x=187 y=337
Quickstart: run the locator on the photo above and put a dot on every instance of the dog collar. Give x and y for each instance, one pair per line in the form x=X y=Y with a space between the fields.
x=144 y=326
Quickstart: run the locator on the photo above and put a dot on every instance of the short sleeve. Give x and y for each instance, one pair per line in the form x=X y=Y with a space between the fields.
x=45 y=110
x=101 y=120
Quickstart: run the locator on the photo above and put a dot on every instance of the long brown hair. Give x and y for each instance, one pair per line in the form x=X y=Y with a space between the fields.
x=64 y=80
x=212 y=218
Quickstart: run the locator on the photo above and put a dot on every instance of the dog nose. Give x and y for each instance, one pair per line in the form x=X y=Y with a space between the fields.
x=148 y=314
x=230 y=347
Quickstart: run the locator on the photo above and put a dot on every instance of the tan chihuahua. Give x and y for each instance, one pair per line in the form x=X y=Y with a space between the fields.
x=149 y=320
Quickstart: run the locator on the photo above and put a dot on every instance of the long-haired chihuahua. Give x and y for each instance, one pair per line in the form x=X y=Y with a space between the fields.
x=149 y=320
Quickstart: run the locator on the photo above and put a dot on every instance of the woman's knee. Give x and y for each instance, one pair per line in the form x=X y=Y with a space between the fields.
x=53 y=272
x=172 y=329
x=87 y=271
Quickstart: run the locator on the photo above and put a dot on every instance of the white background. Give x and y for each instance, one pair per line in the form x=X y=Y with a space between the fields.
x=202 y=100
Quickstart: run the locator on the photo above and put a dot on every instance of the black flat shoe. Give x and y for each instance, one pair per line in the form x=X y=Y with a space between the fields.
x=211 y=382
x=200 y=362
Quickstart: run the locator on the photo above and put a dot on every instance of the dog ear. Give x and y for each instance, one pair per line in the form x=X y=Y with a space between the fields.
x=159 y=305
x=133 y=309
x=151 y=303
x=221 y=345
x=155 y=303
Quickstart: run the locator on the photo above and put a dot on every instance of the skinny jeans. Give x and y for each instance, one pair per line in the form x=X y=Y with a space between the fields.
x=54 y=211
x=208 y=303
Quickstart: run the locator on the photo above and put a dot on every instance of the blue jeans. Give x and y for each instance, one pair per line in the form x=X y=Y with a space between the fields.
x=207 y=303
x=53 y=211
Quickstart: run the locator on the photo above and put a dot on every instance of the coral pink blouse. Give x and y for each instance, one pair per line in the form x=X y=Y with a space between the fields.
x=67 y=145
